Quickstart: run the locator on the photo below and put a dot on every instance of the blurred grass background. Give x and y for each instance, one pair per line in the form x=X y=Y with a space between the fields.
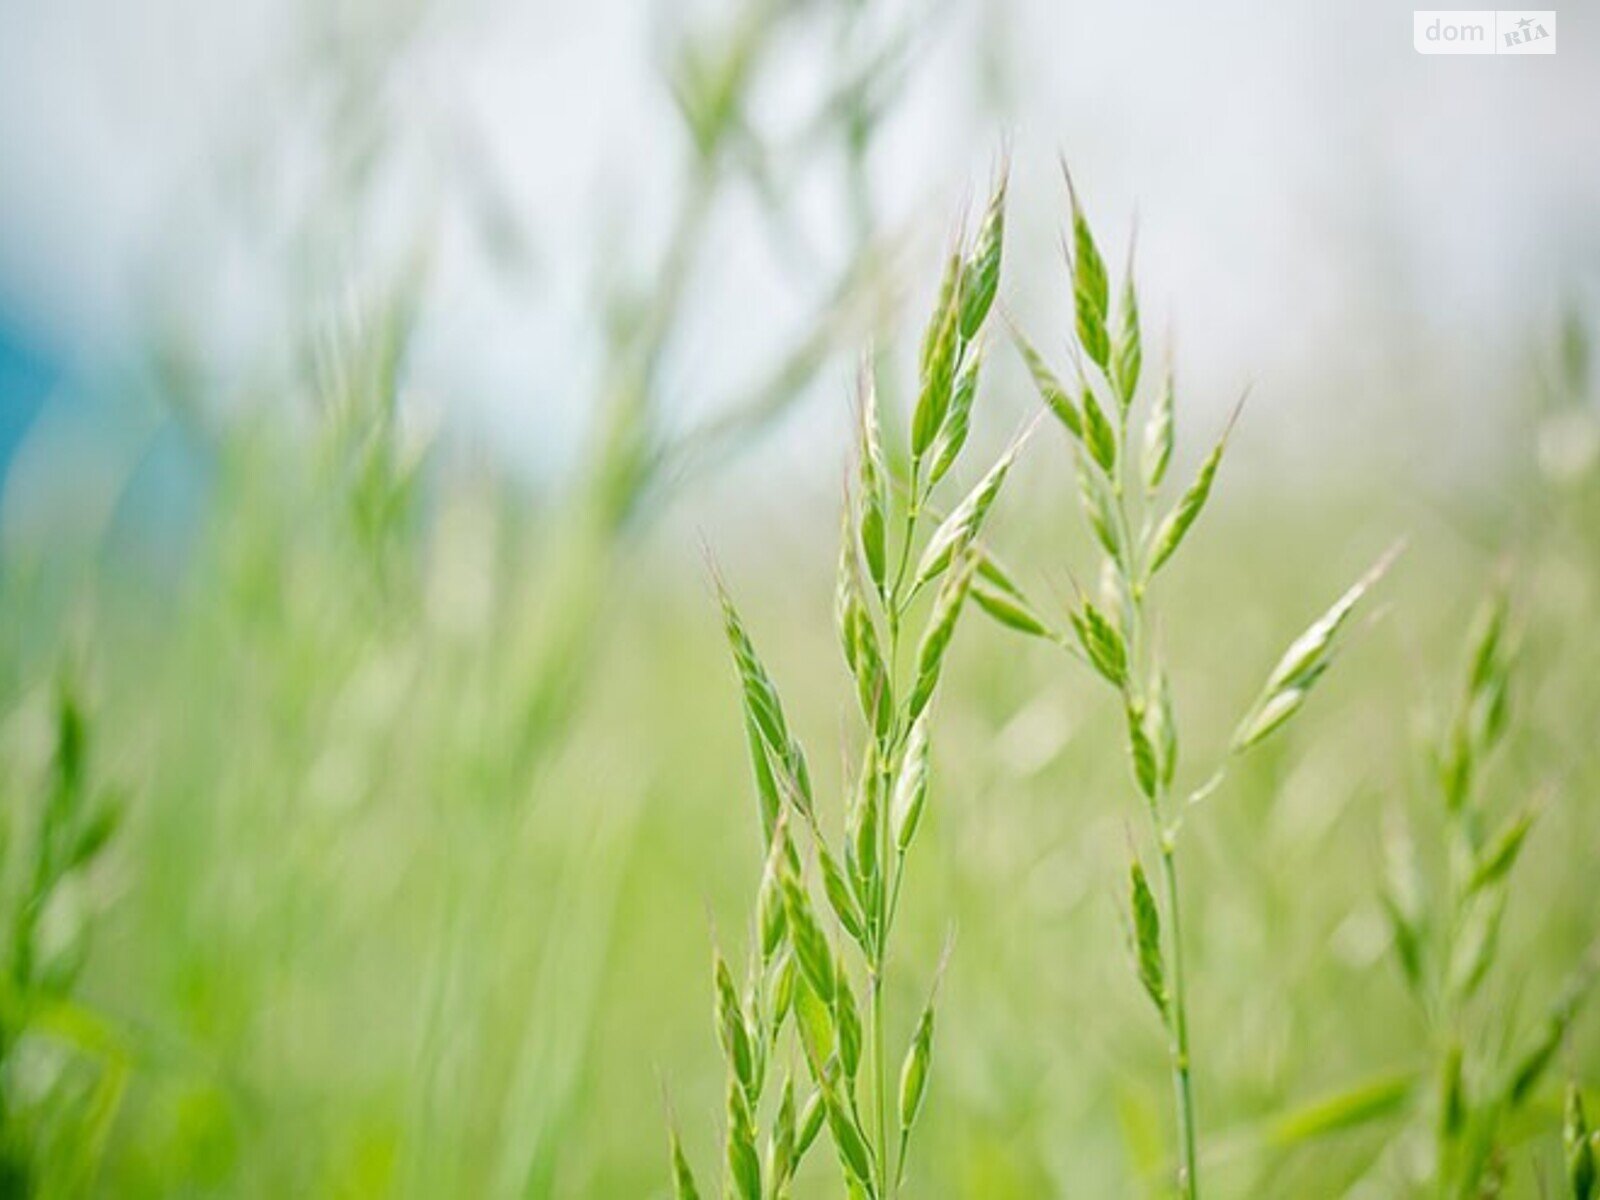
x=431 y=778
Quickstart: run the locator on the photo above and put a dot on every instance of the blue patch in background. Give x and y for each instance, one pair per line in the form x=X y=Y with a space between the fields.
x=26 y=379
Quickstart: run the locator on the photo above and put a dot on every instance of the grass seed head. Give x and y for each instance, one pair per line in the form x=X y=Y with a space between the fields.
x=731 y=1028
x=1156 y=453
x=847 y=590
x=911 y=787
x=1127 y=346
x=873 y=685
x=914 y=1071
x=1091 y=292
x=1101 y=641
x=810 y=943
x=1176 y=524
x=1099 y=434
x=770 y=919
x=936 y=637
x=840 y=897
x=1304 y=662
x=811 y=1118
x=1147 y=939
x=854 y=1151
x=814 y=1020
x=1164 y=726
x=958 y=530
x=1008 y=610
x=1141 y=751
x=785 y=977
x=938 y=366
x=873 y=491
x=781 y=1154
x=1050 y=389
x=847 y=1022
x=1099 y=503
x=953 y=433
x=865 y=817
x=780 y=764
x=980 y=277
x=744 y=1164
x=946 y=303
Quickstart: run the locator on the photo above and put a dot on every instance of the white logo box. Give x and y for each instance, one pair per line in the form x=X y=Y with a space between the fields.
x=1484 y=31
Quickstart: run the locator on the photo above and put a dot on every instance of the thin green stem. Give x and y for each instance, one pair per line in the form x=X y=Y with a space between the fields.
x=880 y=1073
x=894 y=890
x=885 y=907
x=879 y=1078
x=889 y=897
x=1140 y=649
x=893 y=906
x=1183 y=1088
x=913 y=504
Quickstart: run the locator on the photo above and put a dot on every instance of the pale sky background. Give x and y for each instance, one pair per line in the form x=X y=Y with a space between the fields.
x=1352 y=226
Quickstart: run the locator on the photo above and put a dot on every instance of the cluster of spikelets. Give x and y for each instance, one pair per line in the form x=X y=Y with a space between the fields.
x=826 y=993
x=1445 y=935
x=801 y=978
x=1137 y=533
